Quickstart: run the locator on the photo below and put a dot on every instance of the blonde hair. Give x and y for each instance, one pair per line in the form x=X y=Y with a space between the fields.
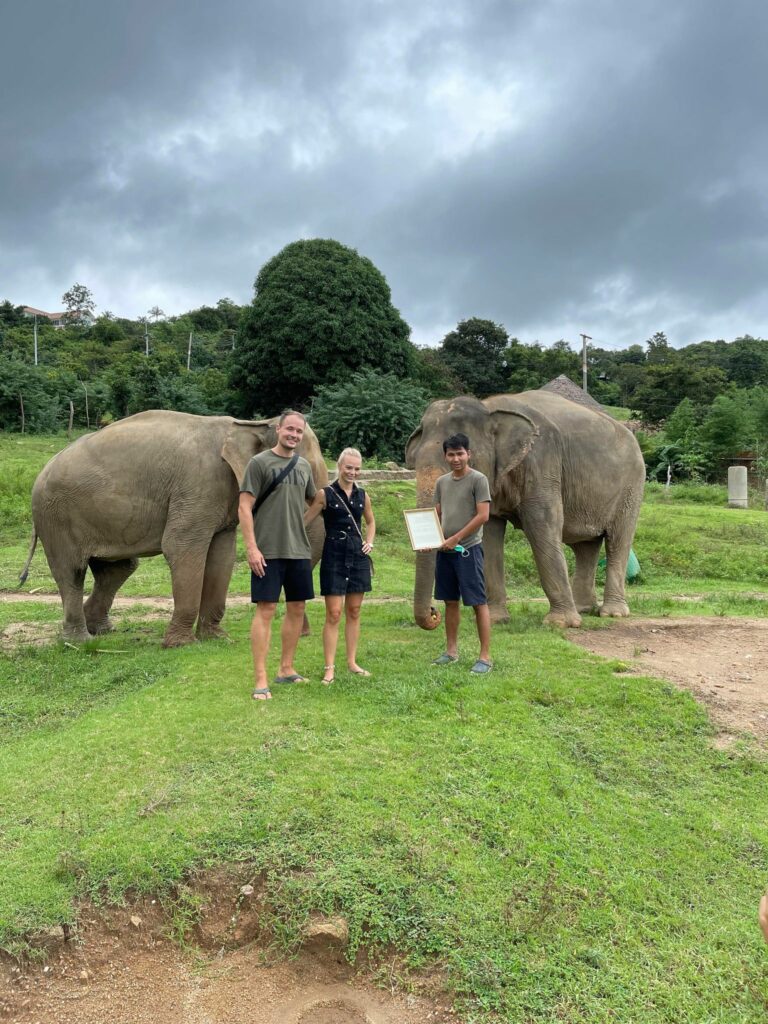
x=345 y=453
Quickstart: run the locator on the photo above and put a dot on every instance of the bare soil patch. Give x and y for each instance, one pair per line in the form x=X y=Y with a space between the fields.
x=723 y=662
x=120 y=966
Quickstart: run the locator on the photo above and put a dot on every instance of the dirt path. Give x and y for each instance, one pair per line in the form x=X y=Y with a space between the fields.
x=723 y=662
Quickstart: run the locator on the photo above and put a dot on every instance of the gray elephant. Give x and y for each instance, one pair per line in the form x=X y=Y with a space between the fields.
x=558 y=471
x=157 y=482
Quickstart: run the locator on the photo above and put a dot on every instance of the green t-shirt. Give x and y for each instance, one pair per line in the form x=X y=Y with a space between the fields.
x=458 y=501
x=279 y=522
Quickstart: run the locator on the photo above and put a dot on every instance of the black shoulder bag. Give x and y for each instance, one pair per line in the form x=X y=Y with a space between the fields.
x=275 y=482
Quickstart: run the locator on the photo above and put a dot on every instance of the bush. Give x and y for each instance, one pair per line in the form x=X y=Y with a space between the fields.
x=374 y=412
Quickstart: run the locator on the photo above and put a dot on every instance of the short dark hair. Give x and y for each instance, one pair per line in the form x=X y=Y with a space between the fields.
x=290 y=412
x=456 y=441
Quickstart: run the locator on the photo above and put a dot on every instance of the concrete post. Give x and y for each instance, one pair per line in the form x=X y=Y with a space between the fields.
x=737 y=487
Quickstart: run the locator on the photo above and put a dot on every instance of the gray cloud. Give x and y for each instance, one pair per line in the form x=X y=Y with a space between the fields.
x=555 y=167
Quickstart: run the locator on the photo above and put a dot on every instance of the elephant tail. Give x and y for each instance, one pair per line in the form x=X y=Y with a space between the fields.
x=32 y=546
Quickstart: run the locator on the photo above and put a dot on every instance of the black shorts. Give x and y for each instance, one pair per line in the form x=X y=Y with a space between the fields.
x=459 y=577
x=294 y=575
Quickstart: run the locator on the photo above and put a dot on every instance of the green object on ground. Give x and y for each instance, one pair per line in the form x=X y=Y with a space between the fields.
x=633 y=566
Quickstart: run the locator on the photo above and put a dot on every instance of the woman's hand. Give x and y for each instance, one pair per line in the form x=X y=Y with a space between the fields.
x=367 y=547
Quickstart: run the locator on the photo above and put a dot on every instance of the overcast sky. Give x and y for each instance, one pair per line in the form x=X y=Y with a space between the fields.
x=554 y=165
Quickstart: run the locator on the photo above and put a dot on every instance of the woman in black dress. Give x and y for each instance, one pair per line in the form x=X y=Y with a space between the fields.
x=345 y=569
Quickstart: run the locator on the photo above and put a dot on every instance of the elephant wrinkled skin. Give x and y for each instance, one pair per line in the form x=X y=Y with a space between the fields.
x=561 y=473
x=158 y=482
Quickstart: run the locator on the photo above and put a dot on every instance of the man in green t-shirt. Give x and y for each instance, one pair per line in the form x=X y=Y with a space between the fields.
x=277 y=546
x=463 y=502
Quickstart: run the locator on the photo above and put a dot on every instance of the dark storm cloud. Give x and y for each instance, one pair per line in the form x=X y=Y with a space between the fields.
x=557 y=167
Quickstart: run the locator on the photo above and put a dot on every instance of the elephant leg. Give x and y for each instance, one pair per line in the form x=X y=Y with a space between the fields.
x=493 y=557
x=544 y=528
x=218 y=573
x=70 y=579
x=587 y=553
x=187 y=562
x=617 y=550
x=108 y=577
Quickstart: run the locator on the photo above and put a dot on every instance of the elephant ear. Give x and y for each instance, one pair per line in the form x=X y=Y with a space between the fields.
x=245 y=438
x=412 y=447
x=516 y=434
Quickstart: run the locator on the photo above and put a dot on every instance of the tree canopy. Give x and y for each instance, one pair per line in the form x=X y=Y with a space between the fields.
x=474 y=351
x=79 y=304
x=320 y=312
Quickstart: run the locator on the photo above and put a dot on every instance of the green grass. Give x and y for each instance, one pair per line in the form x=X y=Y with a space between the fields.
x=562 y=840
x=619 y=412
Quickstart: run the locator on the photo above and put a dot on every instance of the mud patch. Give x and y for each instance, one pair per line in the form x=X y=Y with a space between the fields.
x=120 y=965
x=723 y=662
x=26 y=634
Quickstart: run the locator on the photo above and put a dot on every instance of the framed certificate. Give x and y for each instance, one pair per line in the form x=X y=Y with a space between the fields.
x=424 y=529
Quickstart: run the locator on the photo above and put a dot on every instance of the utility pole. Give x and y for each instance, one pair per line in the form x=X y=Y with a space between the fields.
x=146 y=338
x=584 y=339
x=35 y=334
x=189 y=351
x=87 y=415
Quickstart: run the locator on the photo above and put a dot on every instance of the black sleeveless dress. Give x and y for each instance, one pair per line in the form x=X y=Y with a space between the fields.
x=344 y=569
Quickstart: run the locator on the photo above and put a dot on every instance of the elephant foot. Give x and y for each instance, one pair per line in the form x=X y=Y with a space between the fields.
x=614 y=610
x=97 y=627
x=211 y=632
x=76 y=636
x=587 y=608
x=563 y=620
x=499 y=613
x=179 y=638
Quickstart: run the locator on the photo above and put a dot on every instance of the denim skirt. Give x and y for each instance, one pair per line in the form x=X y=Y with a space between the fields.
x=344 y=569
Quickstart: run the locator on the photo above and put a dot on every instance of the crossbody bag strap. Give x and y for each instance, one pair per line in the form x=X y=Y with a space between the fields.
x=340 y=494
x=276 y=481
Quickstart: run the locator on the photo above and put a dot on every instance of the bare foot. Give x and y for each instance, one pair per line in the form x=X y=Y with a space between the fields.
x=329 y=673
x=357 y=671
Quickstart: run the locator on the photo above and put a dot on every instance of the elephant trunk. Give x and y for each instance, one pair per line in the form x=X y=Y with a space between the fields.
x=425 y=614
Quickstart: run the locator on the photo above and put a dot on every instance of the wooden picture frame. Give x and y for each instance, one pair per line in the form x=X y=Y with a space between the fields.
x=424 y=530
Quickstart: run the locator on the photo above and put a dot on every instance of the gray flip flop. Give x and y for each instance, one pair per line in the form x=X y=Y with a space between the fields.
x=446 y=659
x=481 y=667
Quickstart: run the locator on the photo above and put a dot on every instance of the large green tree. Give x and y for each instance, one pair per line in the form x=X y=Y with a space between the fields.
x=320 y=312
x=79 y=304
x=474 y=351
x=664 y=385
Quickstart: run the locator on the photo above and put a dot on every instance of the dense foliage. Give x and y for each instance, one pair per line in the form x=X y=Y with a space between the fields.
x=371 y=411
x=322 y=335
x=320 y=312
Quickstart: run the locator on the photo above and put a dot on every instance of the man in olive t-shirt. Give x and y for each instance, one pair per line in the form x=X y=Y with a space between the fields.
x=463 y=502
x=278 y=548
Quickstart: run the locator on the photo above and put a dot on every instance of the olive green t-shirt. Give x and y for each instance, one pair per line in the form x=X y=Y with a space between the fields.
x=458 y=501
x=279 y=522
